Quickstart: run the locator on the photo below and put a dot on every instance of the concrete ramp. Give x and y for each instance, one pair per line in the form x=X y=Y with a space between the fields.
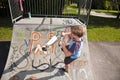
x=26 y=60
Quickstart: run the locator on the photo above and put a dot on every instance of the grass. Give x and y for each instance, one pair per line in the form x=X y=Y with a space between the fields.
x=71 y=9
x=104 y=34
x=5 y=29
x=103 y=29
x=5 y=33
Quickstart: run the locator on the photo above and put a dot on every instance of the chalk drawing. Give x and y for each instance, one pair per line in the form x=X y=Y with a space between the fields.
x=51 y=34
x=79 y=74
x=35 y=36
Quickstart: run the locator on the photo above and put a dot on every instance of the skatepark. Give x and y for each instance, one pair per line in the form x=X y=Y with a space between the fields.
x=23 y=64
x=25 y=60
x=20 y=62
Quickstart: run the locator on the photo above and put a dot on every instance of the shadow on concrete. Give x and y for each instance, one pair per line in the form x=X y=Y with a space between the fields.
x=4 y=50
x=101 y=22
x=46 y=77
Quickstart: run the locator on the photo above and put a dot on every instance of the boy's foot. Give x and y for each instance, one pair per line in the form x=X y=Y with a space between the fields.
x=32 y=78
x=64 y=70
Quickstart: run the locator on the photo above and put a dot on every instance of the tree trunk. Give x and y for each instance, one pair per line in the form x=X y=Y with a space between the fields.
x=118 y=15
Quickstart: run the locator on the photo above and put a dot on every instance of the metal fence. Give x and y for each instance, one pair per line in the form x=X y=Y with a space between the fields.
x=15 y=11
x=44 y=7
x=51 y=8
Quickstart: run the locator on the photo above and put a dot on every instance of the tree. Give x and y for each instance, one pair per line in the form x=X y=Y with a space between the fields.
x=118 y=15
x=117 y=4
x=98 y=4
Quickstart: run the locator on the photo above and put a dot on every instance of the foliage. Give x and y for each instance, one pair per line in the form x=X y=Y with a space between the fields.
x=108 y=5
x=104 y=4
x=98 y=4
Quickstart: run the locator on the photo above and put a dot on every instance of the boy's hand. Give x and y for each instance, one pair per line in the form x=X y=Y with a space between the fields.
x=62 y=43
x=65 y=33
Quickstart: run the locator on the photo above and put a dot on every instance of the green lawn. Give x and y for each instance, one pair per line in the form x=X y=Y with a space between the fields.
x=103 y=29
x=103 y=34
x=5 y=33
x=5 y=29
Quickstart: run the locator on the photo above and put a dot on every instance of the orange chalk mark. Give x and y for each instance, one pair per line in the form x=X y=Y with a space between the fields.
x=39 y=49
x=50 y=34
x=33 y=78
x=35 y=36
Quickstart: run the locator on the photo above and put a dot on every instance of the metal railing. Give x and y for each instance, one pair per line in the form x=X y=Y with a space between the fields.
x=15 y=12
x=48 y=8
x=51 y=8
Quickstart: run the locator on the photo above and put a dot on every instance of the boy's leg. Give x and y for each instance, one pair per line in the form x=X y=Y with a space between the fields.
x=67 y=62
x=67 y=68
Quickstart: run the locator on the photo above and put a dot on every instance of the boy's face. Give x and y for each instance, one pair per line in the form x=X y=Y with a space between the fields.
x=74 y=36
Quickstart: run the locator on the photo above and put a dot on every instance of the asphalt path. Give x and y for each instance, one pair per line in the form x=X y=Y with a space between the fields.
x=105 y=60
x=100 y=14
x=105 y=56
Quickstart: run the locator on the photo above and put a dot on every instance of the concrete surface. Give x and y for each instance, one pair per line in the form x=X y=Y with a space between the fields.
x=26 y=58
x=93 y=13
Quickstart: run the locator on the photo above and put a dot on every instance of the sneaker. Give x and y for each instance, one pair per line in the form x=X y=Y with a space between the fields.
x=66 y=69
x=62 y=69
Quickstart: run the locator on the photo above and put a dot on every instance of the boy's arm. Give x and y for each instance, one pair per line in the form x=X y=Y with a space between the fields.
x=66 y=34
x=65 y=50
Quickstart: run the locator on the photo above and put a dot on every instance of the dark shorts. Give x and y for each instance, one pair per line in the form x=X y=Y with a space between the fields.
x=68 y=60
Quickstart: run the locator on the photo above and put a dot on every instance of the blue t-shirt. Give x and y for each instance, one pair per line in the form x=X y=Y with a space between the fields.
x=75 y=48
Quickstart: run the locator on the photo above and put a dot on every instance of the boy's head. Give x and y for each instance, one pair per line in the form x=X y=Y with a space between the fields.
x=78 y=30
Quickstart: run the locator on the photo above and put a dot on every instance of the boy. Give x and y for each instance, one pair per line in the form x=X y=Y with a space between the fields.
x=72 y=50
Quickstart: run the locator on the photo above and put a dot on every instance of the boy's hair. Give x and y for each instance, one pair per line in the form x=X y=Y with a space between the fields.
x=77 y=30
